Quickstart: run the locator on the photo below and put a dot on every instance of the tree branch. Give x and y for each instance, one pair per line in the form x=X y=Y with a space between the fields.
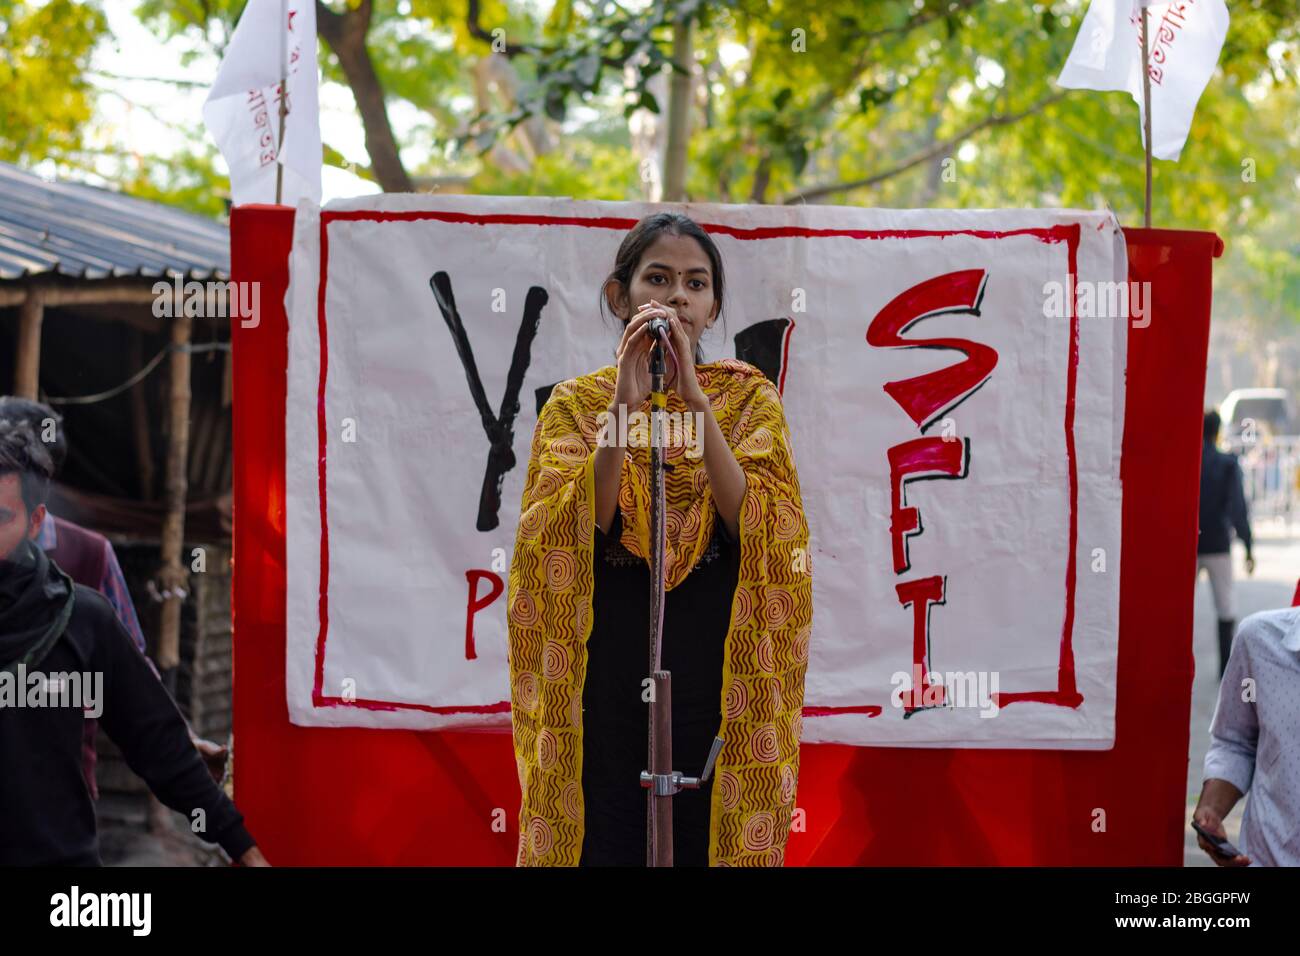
x=479 y=32
x=930 y=152
x=150 y=79
x=916 y=22
x=833 y=92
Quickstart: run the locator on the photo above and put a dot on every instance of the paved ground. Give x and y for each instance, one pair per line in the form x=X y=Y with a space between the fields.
x=125 y=838
x=1277 y=567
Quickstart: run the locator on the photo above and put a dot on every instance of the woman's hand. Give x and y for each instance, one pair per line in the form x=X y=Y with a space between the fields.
x=632 y=385
x=684 y=381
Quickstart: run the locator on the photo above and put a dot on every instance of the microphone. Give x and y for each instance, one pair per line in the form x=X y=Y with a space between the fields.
x=654 y=327
x=657 y=325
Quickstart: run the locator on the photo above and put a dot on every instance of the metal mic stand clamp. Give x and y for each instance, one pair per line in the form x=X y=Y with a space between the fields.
x=663 y=784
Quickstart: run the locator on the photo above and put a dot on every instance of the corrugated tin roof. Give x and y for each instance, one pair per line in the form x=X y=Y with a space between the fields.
x=71 y=229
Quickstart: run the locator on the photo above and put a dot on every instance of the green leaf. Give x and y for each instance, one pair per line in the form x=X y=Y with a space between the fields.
x=870 y=97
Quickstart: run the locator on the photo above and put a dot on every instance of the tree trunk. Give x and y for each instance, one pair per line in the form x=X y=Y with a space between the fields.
x=762 y=176
x=679 y=113
x=647 y=131
x=346 y=35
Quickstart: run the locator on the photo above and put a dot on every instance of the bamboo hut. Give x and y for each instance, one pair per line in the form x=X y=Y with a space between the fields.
x=144 y=388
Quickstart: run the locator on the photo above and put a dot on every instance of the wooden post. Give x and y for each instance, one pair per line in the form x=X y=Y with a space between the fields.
x=27 y=364
x=172 y=574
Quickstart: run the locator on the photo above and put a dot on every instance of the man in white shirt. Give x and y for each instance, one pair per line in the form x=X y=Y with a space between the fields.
x=1255 y=744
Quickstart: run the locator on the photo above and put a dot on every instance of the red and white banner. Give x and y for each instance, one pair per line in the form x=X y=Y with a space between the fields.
x=953 y=382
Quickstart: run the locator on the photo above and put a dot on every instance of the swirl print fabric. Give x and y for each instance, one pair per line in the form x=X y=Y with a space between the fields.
x=549 y=602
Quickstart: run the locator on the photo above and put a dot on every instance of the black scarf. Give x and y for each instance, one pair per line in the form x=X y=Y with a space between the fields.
x=35 y=606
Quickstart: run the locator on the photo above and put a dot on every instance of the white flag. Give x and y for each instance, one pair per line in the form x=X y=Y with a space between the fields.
x=242 y=111
x=1184 y=40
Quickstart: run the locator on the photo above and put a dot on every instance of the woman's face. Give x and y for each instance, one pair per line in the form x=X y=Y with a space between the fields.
x=674 y=270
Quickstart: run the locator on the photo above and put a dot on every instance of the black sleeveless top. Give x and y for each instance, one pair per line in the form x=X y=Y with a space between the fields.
x=697 y=614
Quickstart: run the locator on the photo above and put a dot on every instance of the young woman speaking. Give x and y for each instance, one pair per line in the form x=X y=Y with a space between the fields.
x=738 y=602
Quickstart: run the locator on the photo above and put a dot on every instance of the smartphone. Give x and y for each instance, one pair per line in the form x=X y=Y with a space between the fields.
x=1221 y=846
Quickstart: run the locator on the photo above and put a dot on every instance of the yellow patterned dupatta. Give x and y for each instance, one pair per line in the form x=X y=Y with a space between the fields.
x=549 y=604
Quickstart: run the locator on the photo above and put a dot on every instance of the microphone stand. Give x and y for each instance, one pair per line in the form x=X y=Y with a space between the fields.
x=661 y=781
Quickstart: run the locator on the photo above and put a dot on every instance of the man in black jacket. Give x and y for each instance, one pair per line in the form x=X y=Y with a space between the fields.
x=65 y=656
x=1223 y=508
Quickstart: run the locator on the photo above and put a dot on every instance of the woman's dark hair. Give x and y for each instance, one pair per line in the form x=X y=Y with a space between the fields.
x=643 y=235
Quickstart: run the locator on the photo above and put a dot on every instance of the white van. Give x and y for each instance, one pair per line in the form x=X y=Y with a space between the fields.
x=1269 y=408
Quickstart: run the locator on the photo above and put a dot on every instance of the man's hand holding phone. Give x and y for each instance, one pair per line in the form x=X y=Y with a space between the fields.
x=1213 y=839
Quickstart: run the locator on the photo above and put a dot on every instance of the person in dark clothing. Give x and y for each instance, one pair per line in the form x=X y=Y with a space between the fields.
x=63 y=655
x=697 y=615
x=1223 y=509
x=88 y=558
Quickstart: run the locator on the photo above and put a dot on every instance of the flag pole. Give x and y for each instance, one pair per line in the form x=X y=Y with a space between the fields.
x=1146 y=110
x=284 y=108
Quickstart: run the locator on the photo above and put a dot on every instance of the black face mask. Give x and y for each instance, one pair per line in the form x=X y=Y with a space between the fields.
x=35 y=606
